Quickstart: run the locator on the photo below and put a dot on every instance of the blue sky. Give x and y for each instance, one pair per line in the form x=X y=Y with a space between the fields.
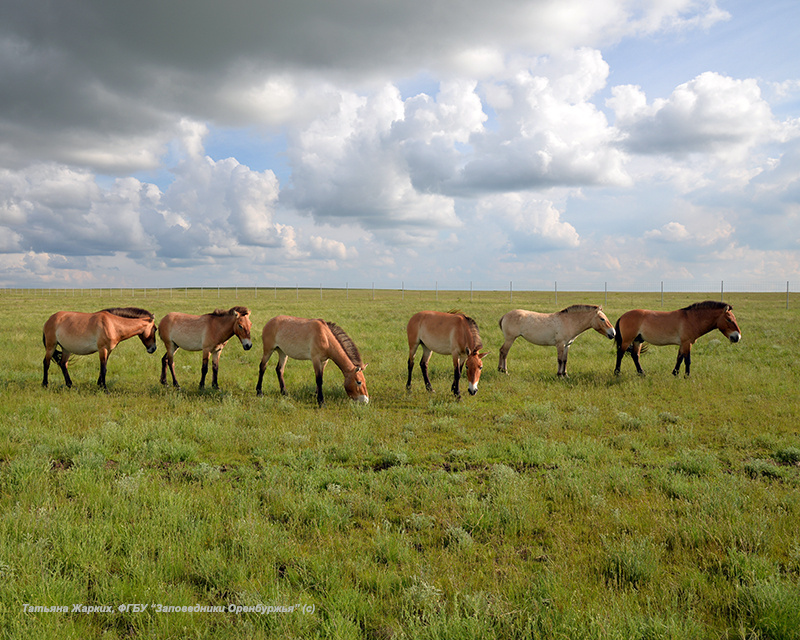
x=308 y=142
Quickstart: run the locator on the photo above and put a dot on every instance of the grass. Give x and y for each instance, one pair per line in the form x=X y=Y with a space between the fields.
x=592 y=507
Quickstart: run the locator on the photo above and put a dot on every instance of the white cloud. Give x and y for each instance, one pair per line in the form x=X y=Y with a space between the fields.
x=531 y=224
x=711 y=114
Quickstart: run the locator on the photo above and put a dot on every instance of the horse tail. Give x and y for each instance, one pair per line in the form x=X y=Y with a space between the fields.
x=617 y=335
x=56 y=353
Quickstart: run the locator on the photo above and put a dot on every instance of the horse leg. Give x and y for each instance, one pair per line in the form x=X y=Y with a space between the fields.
x=678 y=362
x=502 y=365
x=215 y=368
x=635 y=350
x=563 y=350
x=204 y=368
x=412 y=351
x=101 y=380
x=457 y=365
x=684 y=355
x=62 y=363
x=423 y=365
x=169 y=361
x=282 y=358
x=319 y=368
x=261 y=368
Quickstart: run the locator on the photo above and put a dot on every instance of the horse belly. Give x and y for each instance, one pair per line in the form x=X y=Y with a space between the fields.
x=541 y=333
x=437 y=344
x=188 y=338
x=660 y=336
x=81 y=345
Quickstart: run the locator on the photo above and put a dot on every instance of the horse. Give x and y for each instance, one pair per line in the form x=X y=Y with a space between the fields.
x=552 y=330
x=681 y=327
x=446 y=333
x=318 y=341
x=87 y=333
x=208 y=333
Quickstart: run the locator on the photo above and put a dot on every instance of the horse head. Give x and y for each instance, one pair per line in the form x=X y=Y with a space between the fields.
x=148 y=336
x=242 y=326
x=727 y=324
x=601 y=324
x=474 y=365
x=356 y=385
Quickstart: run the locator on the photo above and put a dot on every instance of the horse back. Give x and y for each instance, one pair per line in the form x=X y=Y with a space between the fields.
x=184 y=330
x=298 y=338
x=443 y=333
x=655 y=327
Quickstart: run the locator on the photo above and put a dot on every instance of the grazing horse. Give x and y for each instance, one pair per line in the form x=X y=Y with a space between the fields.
x=318 y=341
x=208 y=333
x=552 y=329
x=446 y=333
x=681 y=327
x=86 y=333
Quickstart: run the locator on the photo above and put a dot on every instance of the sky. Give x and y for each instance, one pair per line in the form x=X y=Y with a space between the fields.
x=418 y=143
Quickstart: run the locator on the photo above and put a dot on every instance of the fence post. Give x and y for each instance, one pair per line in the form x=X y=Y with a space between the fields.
x=511 y=291
x=556 y=287
x=787 y=295
x=662 y=293
x=722 y=291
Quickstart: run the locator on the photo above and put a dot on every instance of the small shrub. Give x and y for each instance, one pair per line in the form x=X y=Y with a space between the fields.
x=630 y=562
x=788 y=455
x=762 y=468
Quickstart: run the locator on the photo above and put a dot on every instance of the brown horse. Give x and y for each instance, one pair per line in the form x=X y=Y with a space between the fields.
x=208 y=333
x=86 y=333
x=552 y=329
x=446 y=333
x=681 y=327
x=318 y=341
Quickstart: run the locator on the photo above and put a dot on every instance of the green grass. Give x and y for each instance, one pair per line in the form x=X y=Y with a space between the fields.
x=592 y=507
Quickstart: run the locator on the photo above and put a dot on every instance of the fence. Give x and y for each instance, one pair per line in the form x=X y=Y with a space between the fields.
x=472 y=291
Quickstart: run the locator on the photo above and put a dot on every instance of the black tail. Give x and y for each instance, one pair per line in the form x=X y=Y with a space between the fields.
x=56 y=354
x=618 y=340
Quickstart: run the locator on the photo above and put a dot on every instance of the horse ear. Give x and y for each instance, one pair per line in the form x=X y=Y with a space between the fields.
x=483 y=355
x=469 y=352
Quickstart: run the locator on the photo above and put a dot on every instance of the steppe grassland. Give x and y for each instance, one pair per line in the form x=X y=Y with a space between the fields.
x=593 y=507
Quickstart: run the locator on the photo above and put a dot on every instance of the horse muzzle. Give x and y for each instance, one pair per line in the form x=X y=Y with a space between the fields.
x=735 y=337
x=473 y=389
x=151 y=349
x=362 y=399
x=611 y=333
x=247 y=344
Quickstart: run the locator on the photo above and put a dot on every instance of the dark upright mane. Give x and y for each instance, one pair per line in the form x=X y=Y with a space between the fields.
x=130 y=312
x=347 y=343
x=708 y=304
x=580 y=308
x=242 y=311
x=477 y=343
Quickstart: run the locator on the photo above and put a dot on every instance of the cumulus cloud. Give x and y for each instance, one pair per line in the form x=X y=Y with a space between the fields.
x=531 y=224
x=711 y=113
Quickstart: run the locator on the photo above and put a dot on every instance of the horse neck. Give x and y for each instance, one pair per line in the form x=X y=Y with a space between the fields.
x=224 y=326
x=706 y=321
x=338 y=355
x=584 y=321
x=129 y=327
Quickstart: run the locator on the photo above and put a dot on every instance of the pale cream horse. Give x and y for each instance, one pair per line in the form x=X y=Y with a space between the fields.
x=552 y=329
x=318 y=341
